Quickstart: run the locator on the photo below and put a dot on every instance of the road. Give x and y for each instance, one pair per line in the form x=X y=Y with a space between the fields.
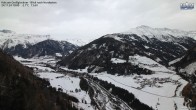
x=102 y=97
x=108 y=98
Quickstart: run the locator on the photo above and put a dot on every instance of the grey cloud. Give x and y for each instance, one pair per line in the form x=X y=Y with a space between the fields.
x=94 y=18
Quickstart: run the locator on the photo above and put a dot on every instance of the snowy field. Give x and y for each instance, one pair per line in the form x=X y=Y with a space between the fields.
x=68 y=84
x=161 y=90
x=148 y=63
x=143 y=62
x=162 y=93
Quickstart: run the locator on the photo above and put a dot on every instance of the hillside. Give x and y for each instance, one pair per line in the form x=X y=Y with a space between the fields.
x=185 y=66
x=99 y=54
x=186 y=63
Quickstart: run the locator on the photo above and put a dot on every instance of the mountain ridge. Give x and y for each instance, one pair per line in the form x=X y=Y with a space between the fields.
x=159 y=32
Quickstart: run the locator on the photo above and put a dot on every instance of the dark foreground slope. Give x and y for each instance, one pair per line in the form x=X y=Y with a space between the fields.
x=21 y=90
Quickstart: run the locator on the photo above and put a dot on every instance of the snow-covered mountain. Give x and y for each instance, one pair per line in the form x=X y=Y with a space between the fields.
x=78 y=42
x=27 y=45
x=10 y=39
x=47 y=47
x=144 y=41
x=160 y=33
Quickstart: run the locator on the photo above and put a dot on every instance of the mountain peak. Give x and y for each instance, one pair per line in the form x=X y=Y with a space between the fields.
x=6 y=31
x=143 y=27
x=159 y=32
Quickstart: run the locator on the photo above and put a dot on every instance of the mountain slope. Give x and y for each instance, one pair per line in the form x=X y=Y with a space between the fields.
x=187 y=63
x=99 y=54
x=21 y=90
x=46 y=47
x=186 y=68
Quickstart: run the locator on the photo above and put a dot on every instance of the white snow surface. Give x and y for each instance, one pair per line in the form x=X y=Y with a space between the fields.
x=114 y=37
x=58 y=54
x=117 y=60
x=148 y=63
x=191 y=68
x=78 y=42
x=176 y=60
x=68 y=85
x=146 y=47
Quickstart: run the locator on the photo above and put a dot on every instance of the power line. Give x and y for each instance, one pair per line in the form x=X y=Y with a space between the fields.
x=143 y=90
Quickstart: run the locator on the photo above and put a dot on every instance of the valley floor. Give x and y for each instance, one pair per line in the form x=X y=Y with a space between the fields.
x=161 y=91
x=64 y=82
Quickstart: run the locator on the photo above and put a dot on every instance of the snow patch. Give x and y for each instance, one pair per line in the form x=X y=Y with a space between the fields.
x=148 y=63
x=114 y=37
x=117 y=60
x=146 y=47
x=176 y=60
x=191 y=68
x=58 y=54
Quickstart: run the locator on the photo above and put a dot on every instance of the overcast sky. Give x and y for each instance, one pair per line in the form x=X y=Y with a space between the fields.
x=93 y=18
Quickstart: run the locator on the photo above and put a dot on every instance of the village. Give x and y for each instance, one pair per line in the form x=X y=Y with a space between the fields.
x=154 y=82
